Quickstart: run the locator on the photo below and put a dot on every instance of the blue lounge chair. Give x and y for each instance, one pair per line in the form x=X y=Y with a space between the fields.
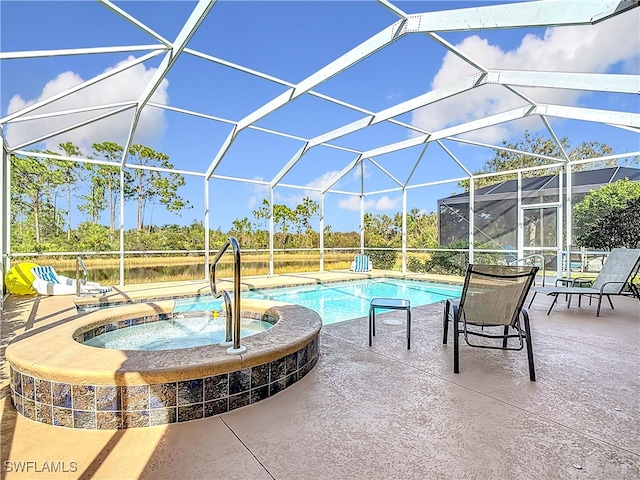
x=362 y=263
x=48 y=282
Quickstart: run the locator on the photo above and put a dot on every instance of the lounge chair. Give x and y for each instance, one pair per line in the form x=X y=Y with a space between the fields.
x=362 y=263
x=490 y=307
x=48 y=282
x=615 y=278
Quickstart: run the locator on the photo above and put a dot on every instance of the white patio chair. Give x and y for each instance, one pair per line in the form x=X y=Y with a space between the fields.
x=48 y=282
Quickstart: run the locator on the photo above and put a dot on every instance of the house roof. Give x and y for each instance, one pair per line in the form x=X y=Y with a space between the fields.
x=581 y=182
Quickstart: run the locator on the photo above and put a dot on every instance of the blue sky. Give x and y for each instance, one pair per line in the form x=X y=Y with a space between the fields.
x=290 y=41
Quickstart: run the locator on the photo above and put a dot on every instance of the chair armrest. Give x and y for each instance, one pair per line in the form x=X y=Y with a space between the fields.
x=602 y=287
x=71 y=282
x=453 y=305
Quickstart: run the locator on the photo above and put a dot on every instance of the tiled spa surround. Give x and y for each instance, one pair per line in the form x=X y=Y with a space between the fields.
x=61 y=382
x=114 y=407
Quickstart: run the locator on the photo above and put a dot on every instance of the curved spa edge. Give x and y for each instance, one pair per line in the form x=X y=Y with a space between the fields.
x=59 y=381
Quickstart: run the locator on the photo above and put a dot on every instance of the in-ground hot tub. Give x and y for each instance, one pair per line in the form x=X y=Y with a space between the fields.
x=170 y=332
x=56 y=379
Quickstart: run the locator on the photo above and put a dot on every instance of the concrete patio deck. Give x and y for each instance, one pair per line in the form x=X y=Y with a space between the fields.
x=379 y=412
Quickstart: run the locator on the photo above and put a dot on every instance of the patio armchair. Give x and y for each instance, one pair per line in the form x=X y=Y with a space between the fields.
x=490 y=310
x=48 y=282
x=362 y=263
x=615 y=278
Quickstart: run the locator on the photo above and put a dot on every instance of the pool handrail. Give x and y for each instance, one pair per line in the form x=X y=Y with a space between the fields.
x=233 y=314
x=79 y=281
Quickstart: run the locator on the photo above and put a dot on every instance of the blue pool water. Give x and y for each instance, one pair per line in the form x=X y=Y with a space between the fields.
x=336 y=302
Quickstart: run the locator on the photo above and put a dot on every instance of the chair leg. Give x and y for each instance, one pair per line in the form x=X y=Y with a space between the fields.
x=600 y=303
x=504 y=340
x=610 y=302
x=371 y=328
x=445 y=322
x=409 y=329
x=555 y=299
x=527 y=329
x=456 y=364
x=534 y=296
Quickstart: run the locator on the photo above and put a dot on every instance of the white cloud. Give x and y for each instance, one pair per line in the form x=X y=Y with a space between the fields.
x=126 y=85
x=260 y=192
x=592 y=48
x=384 y=203
x=320 y=182
x=352 y=202
x=360 y=168
x=295 y=199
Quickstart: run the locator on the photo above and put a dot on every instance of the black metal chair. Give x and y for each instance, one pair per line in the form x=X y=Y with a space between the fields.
x=492 y=298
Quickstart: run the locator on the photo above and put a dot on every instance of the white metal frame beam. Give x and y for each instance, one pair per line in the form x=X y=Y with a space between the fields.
x=432 y=24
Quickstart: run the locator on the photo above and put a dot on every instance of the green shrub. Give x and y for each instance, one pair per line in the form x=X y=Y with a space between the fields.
x=383 y=259
x=416 y=265
x=449 y=263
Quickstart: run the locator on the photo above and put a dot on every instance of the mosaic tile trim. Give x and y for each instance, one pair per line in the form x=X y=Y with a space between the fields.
x=88 y=332
x=106 y=407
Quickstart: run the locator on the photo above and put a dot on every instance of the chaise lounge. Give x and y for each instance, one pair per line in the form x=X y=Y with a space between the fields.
x=48 y=282
x=615 y=278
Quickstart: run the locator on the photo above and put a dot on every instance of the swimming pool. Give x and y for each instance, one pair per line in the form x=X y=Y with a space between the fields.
x=339 y=301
